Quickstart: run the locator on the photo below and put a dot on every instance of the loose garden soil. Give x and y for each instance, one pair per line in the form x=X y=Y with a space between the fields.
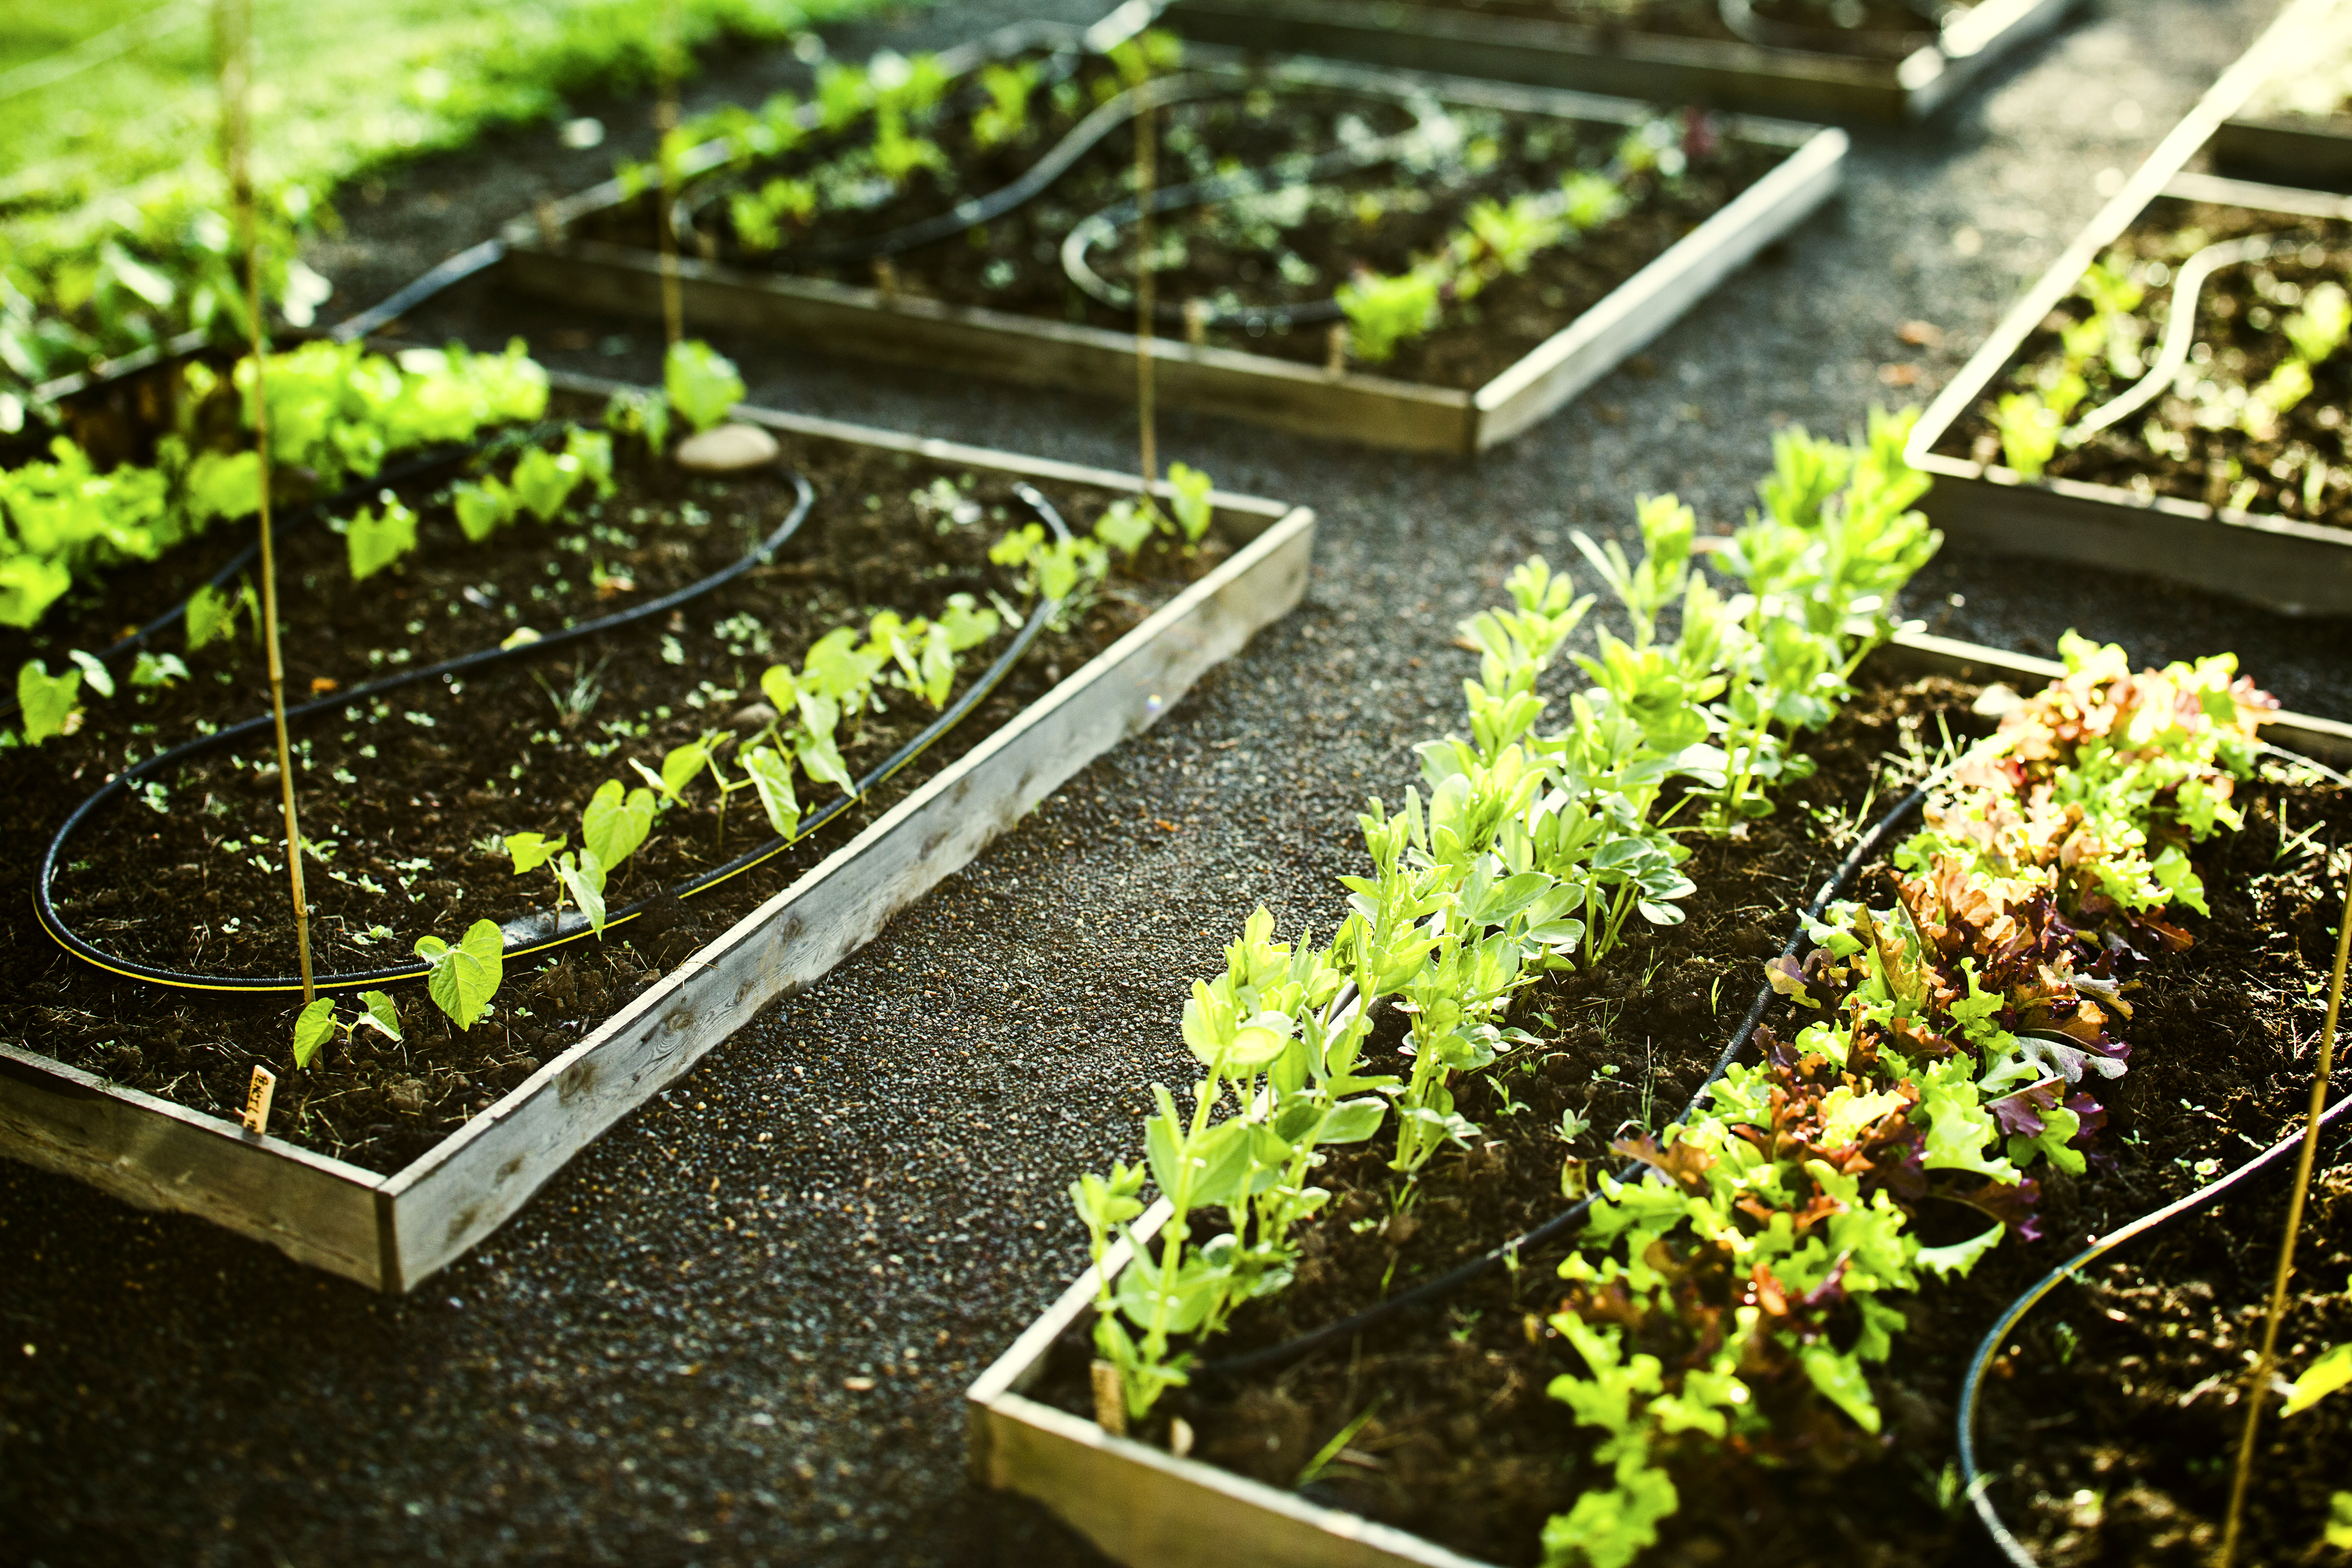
x=1463 y=1444
x=1270 y=253
x=402 y=795
x=2116 y=1412
x=2238 y=310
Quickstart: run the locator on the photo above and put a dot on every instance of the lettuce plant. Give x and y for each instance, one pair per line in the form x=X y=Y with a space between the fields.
x=1959 y=1031
x=700 y=382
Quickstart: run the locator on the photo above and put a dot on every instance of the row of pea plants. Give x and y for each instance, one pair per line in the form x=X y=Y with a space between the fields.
x=1533 y=851
x=1738 y=1295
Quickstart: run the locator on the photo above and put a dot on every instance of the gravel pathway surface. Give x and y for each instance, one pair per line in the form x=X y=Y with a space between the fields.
x=696 y=1348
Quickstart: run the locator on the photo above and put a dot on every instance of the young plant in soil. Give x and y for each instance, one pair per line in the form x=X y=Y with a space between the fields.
x=1533 y=852
x=2203 y=358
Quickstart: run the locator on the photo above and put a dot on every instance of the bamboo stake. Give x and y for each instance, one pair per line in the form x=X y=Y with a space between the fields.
x=2266 y=1363
x=235 y=23
x=664 y=122
x=1147 y=181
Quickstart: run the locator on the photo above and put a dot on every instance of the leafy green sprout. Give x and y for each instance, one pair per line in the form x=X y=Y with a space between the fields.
x=462 y=979
x=320 y=1021
x=701 y=383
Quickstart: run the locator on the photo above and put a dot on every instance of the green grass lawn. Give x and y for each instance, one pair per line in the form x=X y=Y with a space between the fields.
x=340 y=85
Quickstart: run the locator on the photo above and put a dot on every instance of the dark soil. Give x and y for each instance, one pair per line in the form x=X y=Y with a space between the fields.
x=2119 y=1406
x=1464 y=1446
x=1874 y=30
x=403 y=795
x=1253 y=261
x=2238 y=308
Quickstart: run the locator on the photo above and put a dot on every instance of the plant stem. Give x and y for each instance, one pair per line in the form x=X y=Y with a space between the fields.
x=664 y=122
x=2265 y=1363
x=1147 y=180
x=235 y=22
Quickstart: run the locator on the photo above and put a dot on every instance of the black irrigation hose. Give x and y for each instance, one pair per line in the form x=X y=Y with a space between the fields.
x=1976 y=1483
x=525 y=936
x=1080 y=139
x=1507 y=1255
x=456 y=270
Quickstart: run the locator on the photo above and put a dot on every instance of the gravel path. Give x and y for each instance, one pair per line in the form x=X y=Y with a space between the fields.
x=696 y=1348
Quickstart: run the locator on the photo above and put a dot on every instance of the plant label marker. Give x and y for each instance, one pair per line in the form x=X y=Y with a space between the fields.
x=257 y=1095
x=1110 y=1398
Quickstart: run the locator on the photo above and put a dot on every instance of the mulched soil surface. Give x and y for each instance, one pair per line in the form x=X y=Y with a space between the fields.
x=1014 y=264
x=2236 y=323
x=618 y=1376
x=1465 y=1446
x=403 y=793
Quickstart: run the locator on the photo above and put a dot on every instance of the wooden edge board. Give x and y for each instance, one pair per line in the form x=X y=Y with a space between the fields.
x=2296 y=567
x=2327 y=741
x=932 y=449
x=2182 y=142
x=468 y=1185
x=1661 y=293
x=1144 y=1506
x=154 y=1154
x=390 y=1232
x=2225 y=191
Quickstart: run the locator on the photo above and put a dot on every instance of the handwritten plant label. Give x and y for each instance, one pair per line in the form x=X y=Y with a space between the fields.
x=257 y=1099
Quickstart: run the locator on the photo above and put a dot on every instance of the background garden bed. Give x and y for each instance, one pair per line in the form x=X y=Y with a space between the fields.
x=1705 y=64
x=1565 y=322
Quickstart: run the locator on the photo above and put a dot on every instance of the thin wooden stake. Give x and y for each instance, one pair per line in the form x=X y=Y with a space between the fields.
x=1147 y=181
x=1110 y=1398
x=2265 y=1364
x=235 y=21
x=666 y=121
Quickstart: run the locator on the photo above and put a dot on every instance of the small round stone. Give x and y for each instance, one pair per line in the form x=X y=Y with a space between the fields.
x=727 y=449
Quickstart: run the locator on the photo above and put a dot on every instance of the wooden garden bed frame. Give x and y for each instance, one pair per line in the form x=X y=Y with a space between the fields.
x=390 y=1232
x=1659 y=67
x=1145 y=1507
x=2298 y=567
x=542 y=257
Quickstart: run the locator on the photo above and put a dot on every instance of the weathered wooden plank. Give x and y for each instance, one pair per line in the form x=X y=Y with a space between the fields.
x=450 y=1199
x=1657 y=297
x=2312 y=152
x=157 y=1155
x=1654 y=66
x=2299 y=568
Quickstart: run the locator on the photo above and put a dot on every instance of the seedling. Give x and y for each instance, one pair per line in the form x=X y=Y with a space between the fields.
x=463 y=979
x=321 y=1022
x=701 y=383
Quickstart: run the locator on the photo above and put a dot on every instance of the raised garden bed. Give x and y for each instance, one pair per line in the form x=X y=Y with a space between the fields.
x=2297 y=130
x=388 y=1159
x=1460 y=1456
x=2253 y=502
x=1040 y=292
x=1883 y=61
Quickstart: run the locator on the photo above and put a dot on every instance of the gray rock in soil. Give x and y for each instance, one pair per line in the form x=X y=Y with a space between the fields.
x=727 y=449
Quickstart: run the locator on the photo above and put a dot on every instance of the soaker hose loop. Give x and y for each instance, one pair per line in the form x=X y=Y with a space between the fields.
x=525 y=936
x=1867 y=849
x=1081 y=138
x=2180 y=331
x=1978 y=1485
